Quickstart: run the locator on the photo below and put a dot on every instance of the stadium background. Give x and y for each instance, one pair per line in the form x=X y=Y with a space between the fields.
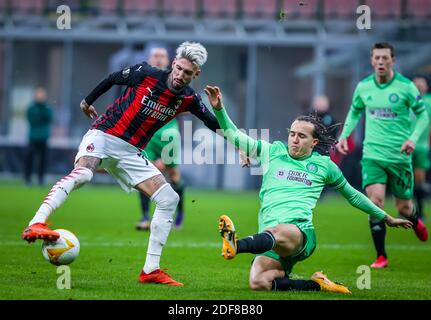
x=269 y=66
x=270 y=57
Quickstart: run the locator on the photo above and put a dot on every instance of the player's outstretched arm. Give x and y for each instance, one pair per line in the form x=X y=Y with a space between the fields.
x=351 y=121
x=100 y=89
x=360 y=201
x=130 y=76
x=243 y=142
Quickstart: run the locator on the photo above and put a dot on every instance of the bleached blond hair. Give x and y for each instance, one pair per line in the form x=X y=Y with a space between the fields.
x=192 y=51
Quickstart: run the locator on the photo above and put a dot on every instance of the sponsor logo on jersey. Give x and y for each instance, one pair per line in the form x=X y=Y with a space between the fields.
x=393 y=97
x=293 y=175
x=156 y=110
x=385 y=113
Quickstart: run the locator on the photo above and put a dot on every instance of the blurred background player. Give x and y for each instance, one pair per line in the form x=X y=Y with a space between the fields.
x=294 y=176
x=387 y=98
x=420 y=157
x=167 y=138
x=39 y=117
x=321 y=106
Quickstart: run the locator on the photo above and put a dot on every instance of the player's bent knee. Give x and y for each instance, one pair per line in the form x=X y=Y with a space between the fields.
x=405 y=208
x=166 y=197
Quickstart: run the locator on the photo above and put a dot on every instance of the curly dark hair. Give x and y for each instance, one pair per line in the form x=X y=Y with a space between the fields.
x=324 y=134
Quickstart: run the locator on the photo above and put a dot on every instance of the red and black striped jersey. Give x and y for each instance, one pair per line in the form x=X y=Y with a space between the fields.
x=145 y=105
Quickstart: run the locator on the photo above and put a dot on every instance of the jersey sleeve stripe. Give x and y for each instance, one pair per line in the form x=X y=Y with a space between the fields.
x=339 y=183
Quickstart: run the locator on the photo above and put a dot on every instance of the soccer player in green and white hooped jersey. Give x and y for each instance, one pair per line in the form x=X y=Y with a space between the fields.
x=387 y=98
x=420 y=157
x=294 y=176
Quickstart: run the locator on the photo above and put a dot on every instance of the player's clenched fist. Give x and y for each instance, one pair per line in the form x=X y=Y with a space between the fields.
x=89 y=110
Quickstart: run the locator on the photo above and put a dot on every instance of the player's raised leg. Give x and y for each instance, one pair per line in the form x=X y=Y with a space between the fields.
x=81 y=174
x=166 y=200
x=285 y=239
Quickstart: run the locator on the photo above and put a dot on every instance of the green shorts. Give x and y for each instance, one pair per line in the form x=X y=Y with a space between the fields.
x=420 y=159
x=168 y=151
x=397 y=176
x=306 y=251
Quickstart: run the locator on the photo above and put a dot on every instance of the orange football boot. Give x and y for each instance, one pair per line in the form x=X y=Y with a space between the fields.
x=158 y=276
x=328 y=285
x=39 y=231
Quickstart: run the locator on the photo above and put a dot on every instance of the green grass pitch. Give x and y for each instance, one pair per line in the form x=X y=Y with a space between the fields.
x=112 y=252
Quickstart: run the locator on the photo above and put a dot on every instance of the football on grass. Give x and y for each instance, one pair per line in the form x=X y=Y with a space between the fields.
x=62 y=251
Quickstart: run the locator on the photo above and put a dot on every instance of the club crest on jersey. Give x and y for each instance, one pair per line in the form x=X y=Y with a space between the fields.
x=90 y=147
x=312 y=167
x=393 y=97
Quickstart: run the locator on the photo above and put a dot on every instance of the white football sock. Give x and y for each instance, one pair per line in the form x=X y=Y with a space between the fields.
x=166 y=202
x=60 y=191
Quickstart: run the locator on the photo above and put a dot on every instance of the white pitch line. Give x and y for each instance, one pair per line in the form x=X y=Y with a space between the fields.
x=326 y=246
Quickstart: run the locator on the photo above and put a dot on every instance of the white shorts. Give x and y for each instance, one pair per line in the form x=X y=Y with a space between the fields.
x=120 y=159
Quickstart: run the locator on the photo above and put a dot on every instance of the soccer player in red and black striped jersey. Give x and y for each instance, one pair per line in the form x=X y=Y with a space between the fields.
x=114 y=142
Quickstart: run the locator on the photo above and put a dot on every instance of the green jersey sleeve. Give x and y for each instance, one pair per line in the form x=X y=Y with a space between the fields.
x=335 y=177
x=417 y=105
x=360 y=201
x=415 y=100
x=354 y=114
x=253 y=148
